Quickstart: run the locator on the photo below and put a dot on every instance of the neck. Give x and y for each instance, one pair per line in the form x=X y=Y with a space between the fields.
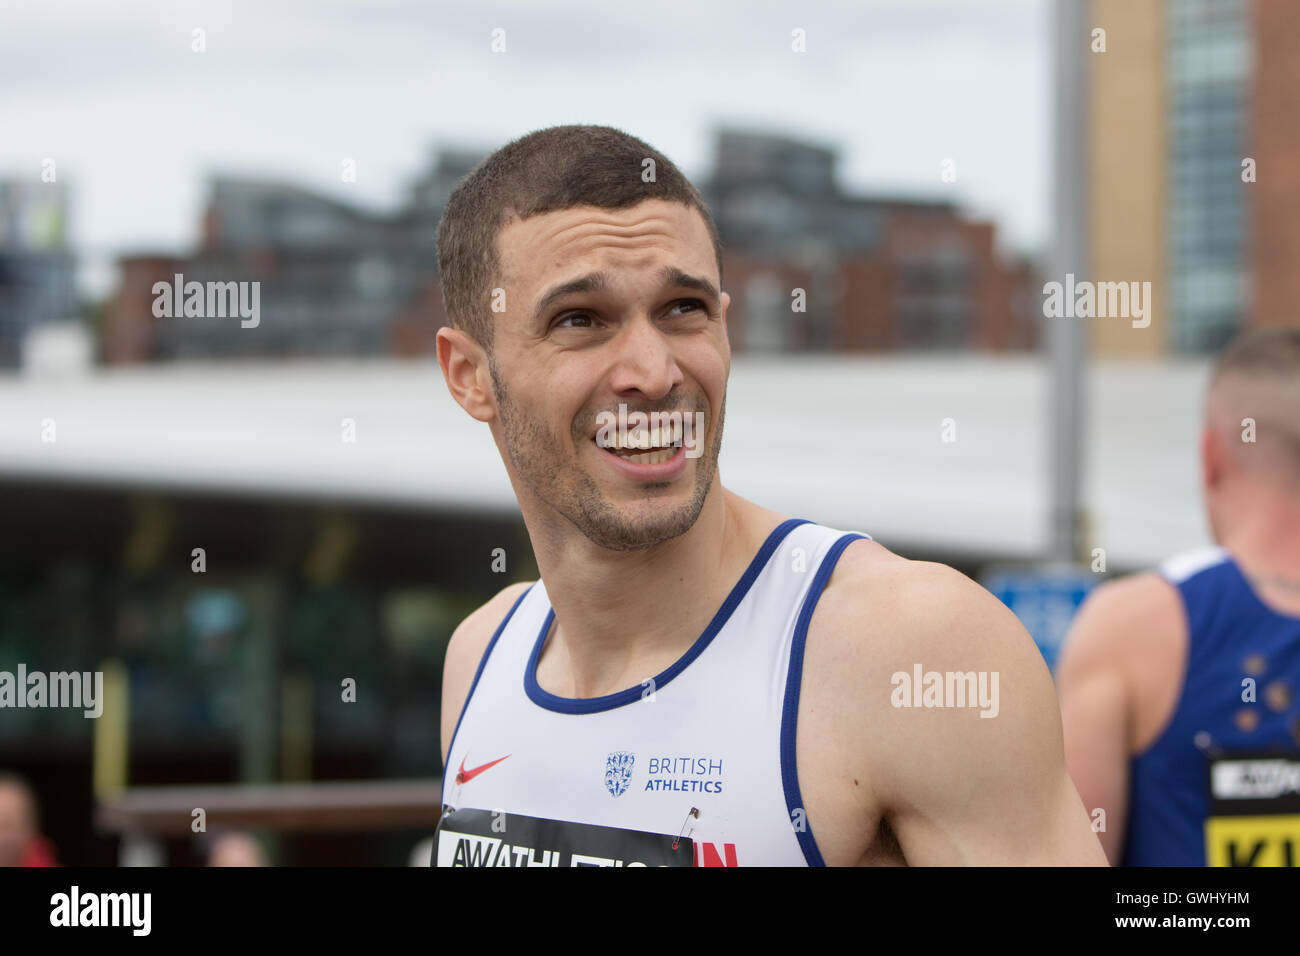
x=1262 y=538
x=622 y=616
x=1263 y=535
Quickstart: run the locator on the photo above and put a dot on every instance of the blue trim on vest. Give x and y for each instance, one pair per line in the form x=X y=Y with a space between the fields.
x=592 y=705
x=790 y=712
x=477 y=674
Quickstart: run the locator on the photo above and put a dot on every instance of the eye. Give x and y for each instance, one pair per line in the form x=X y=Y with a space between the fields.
x=694 y=304
x=582 y=320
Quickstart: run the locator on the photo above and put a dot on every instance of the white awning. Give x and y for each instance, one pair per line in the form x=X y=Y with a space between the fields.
x=855 y=443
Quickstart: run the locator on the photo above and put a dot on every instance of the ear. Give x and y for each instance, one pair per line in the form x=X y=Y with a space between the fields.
x=465 y=369
x=726 y=306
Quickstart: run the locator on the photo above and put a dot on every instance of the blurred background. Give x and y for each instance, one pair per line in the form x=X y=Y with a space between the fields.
x=232 y=523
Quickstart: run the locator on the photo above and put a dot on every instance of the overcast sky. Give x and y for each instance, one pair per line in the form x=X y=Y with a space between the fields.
x=287 y=89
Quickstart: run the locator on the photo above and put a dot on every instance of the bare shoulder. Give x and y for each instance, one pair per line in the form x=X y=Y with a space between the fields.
x=885 y=623
x=883 y=608
x=882 y=616
x=1121 y=623
x=465 y=651
x=1125 y=649
x=906 y=658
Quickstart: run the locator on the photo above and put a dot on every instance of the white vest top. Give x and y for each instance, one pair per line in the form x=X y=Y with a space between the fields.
x=693 y=767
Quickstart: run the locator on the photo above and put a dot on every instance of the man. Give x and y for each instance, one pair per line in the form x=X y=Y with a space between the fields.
x=1178 y=685
x=695 y=679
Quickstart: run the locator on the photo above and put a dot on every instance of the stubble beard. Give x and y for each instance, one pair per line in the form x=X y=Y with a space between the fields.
x=560 y=481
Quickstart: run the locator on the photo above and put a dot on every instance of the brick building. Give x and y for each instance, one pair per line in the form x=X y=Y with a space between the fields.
x=874 y=274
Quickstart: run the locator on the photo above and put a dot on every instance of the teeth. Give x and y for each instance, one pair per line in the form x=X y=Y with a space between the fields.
x=650 y=457
x=664 y=436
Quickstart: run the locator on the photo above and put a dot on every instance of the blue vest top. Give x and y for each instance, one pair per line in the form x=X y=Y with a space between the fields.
x=1221 y=784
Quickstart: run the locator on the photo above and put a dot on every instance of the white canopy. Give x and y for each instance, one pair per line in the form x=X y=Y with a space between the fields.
x=852 y=442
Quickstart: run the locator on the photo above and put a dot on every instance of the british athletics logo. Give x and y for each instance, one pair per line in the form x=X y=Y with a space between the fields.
x=684 y=774
x=618 y=772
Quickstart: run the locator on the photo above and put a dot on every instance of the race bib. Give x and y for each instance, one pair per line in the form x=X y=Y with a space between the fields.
x=496 y=838
x=1254 y=817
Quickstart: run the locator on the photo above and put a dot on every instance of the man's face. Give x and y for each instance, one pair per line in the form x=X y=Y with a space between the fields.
x=645 y=329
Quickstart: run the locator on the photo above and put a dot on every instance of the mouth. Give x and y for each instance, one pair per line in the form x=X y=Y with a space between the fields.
x=646 y=446
x=656 y=452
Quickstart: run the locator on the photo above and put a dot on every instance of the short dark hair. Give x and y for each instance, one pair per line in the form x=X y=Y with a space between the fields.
x=545 y=171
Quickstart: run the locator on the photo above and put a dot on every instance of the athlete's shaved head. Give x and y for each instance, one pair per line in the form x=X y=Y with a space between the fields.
x=1253 y=405
x=551 y=169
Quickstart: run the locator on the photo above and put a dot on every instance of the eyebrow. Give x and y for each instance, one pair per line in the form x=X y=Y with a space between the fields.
x=669 y=276
x=672 y=276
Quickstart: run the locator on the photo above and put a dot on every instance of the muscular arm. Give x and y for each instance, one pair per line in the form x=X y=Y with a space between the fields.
x=1122 y=625
x=957 y=787
x=465 y=651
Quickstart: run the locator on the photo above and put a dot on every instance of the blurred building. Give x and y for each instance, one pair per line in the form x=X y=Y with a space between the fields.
x=1194 y=139
x=36 y=268
x=879 y=274
x=332 y=280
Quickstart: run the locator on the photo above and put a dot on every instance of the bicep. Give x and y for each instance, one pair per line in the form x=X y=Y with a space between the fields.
x=1096 y=711
x=1003 y=799
x=991 y=790
x=464 y=654
x=454 y=691
x=1013 y=806
x=1093 y=712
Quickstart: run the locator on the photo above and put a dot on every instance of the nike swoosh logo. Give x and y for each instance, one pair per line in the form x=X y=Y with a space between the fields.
x=465 y=776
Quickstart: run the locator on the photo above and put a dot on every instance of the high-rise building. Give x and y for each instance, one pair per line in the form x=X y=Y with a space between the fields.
x=1193 y=138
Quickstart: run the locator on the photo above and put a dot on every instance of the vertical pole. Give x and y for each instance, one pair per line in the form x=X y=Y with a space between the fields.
x=1066 y=337
x=257 y=735
x=112 y=732
x=295 y=728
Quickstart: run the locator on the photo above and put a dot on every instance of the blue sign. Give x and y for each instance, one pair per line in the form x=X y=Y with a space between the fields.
x=1045 y=601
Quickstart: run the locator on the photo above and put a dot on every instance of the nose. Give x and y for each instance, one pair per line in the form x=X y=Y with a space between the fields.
x=644 y=361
